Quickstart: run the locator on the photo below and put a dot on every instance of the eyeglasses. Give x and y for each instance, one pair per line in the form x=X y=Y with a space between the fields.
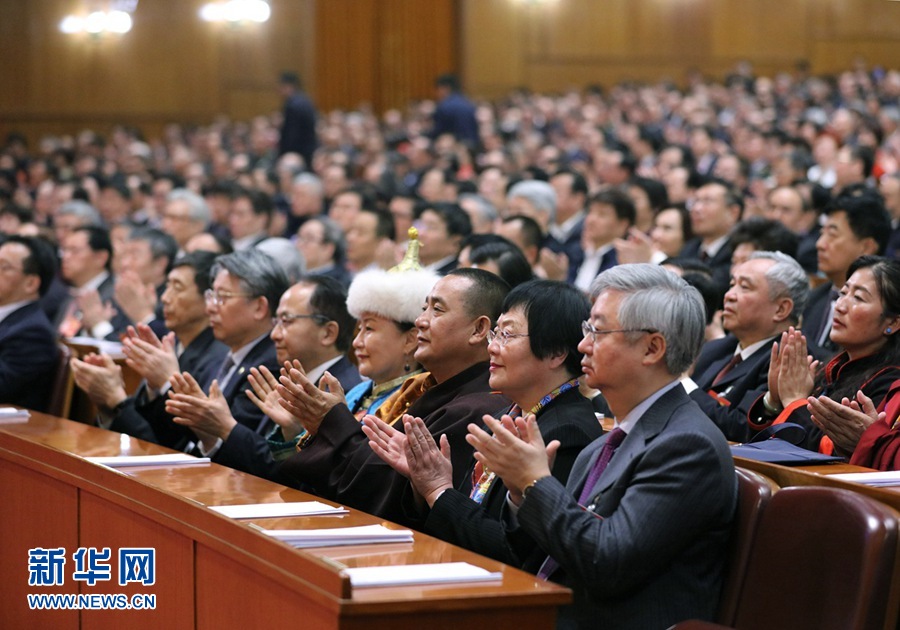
x=218 y=297
x=588 y=329
x=286 y=318
x=5 y=267
x=502 y=337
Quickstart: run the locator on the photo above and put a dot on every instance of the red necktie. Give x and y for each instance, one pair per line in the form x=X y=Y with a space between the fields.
x=728 y=367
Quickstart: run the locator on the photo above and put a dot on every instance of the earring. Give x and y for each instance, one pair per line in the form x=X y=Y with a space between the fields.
x=406 y=366
x=887 y=331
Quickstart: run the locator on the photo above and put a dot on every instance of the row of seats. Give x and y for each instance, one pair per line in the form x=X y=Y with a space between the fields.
x=809 y=558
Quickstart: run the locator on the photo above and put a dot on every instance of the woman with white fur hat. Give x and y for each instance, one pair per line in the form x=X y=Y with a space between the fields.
x=386 y=303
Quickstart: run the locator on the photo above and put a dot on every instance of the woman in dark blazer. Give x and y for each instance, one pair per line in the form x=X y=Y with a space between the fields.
x=535 y=363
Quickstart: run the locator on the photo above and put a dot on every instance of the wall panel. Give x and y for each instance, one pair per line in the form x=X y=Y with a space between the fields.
x=174 y=67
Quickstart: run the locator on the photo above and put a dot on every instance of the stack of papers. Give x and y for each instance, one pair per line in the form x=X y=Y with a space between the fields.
x=889 y=478
x=363 y=535
x=403 y=575
x=277 y=510
x=169 y=459
x=11 y=415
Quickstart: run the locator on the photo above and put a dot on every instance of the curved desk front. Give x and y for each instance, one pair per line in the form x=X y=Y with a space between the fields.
x=211 y=571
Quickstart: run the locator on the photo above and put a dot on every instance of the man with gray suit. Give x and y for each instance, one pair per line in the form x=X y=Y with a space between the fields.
x=640 y=530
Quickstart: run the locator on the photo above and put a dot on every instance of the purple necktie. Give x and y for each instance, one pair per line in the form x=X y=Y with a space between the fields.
x=606 y=452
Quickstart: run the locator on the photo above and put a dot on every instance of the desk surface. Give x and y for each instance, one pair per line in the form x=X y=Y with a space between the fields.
x=173 y=497
x=819 y=475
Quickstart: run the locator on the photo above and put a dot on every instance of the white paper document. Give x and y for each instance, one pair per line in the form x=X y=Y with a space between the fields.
x=168 y=459
x=11 y=415
x=402 y=575
x=112 y=348
x=275 y=510
x=363 y=535
x=888 y=478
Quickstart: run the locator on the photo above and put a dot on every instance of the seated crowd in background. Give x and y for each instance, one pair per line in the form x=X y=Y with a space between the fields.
x=352 y=321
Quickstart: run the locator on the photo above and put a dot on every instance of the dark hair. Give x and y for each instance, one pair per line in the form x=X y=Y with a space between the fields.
x=332 y=234
x=579 y=183
x=384 y=222
x=554 y=311
x=40 y=261
x=512 y=265
x=655 y=190
x=449 y=81
x=733 y=196
x=289 y=77
x=485 y=294
x=161 y=244
x=455 y=218
x=201 y=262
x=98 y=241
x=709 y=292
x=866 y=215
x=532 y=235
x=621 y=203
x=687 y=229
x=329 y=298
x=886 y=272
x=260 y=202
x=766 y=235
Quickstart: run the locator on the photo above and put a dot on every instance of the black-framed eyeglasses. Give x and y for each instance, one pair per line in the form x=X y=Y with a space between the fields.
x=502 y=337
x=286 y=318
x=588 y=329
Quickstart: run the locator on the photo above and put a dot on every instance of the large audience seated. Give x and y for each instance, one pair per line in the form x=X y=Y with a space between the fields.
x=422 y=315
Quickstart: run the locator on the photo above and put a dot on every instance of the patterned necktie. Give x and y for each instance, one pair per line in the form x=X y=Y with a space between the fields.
x=606 y=452
x=728 y=367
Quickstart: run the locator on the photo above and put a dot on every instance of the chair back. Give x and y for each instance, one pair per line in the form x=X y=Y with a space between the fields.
x=822 y=559
x=63 y=384
x=754 y=493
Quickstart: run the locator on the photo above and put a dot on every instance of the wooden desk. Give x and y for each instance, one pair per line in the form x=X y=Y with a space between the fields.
x=212 y=571
x=786 y=476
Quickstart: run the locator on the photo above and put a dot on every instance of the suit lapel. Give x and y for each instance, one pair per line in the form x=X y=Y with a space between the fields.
x=646 y=428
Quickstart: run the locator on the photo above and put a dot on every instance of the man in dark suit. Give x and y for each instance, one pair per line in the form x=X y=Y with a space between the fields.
x=324 y=249
x=856 y=224
x=610 y=214
x=658 y=492
x=90 y=309
x=192 y=348
x=28 y=350
x=241 y=303
x=298 y=127
x=454 y=113
x=768 y=292
x=312 y=326
x=715 y=209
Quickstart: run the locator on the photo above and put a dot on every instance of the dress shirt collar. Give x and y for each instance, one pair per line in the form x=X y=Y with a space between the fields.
x=9 y=309
x=628 y=423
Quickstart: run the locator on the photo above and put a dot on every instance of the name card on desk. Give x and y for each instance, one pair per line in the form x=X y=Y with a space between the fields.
x=887 y=478
x=11 y=415
x=363 y=535
x=167 y=459
x=403 y=575
x=277 y=510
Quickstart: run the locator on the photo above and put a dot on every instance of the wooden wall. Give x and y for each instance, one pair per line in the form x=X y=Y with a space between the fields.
x=557 y=44
x=174 y=67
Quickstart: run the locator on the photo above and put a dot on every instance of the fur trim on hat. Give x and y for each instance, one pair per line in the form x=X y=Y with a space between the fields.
x=396 y=295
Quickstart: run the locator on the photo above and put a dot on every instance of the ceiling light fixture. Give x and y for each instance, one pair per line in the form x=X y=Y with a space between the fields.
x=97 y=20
x=235 y=11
